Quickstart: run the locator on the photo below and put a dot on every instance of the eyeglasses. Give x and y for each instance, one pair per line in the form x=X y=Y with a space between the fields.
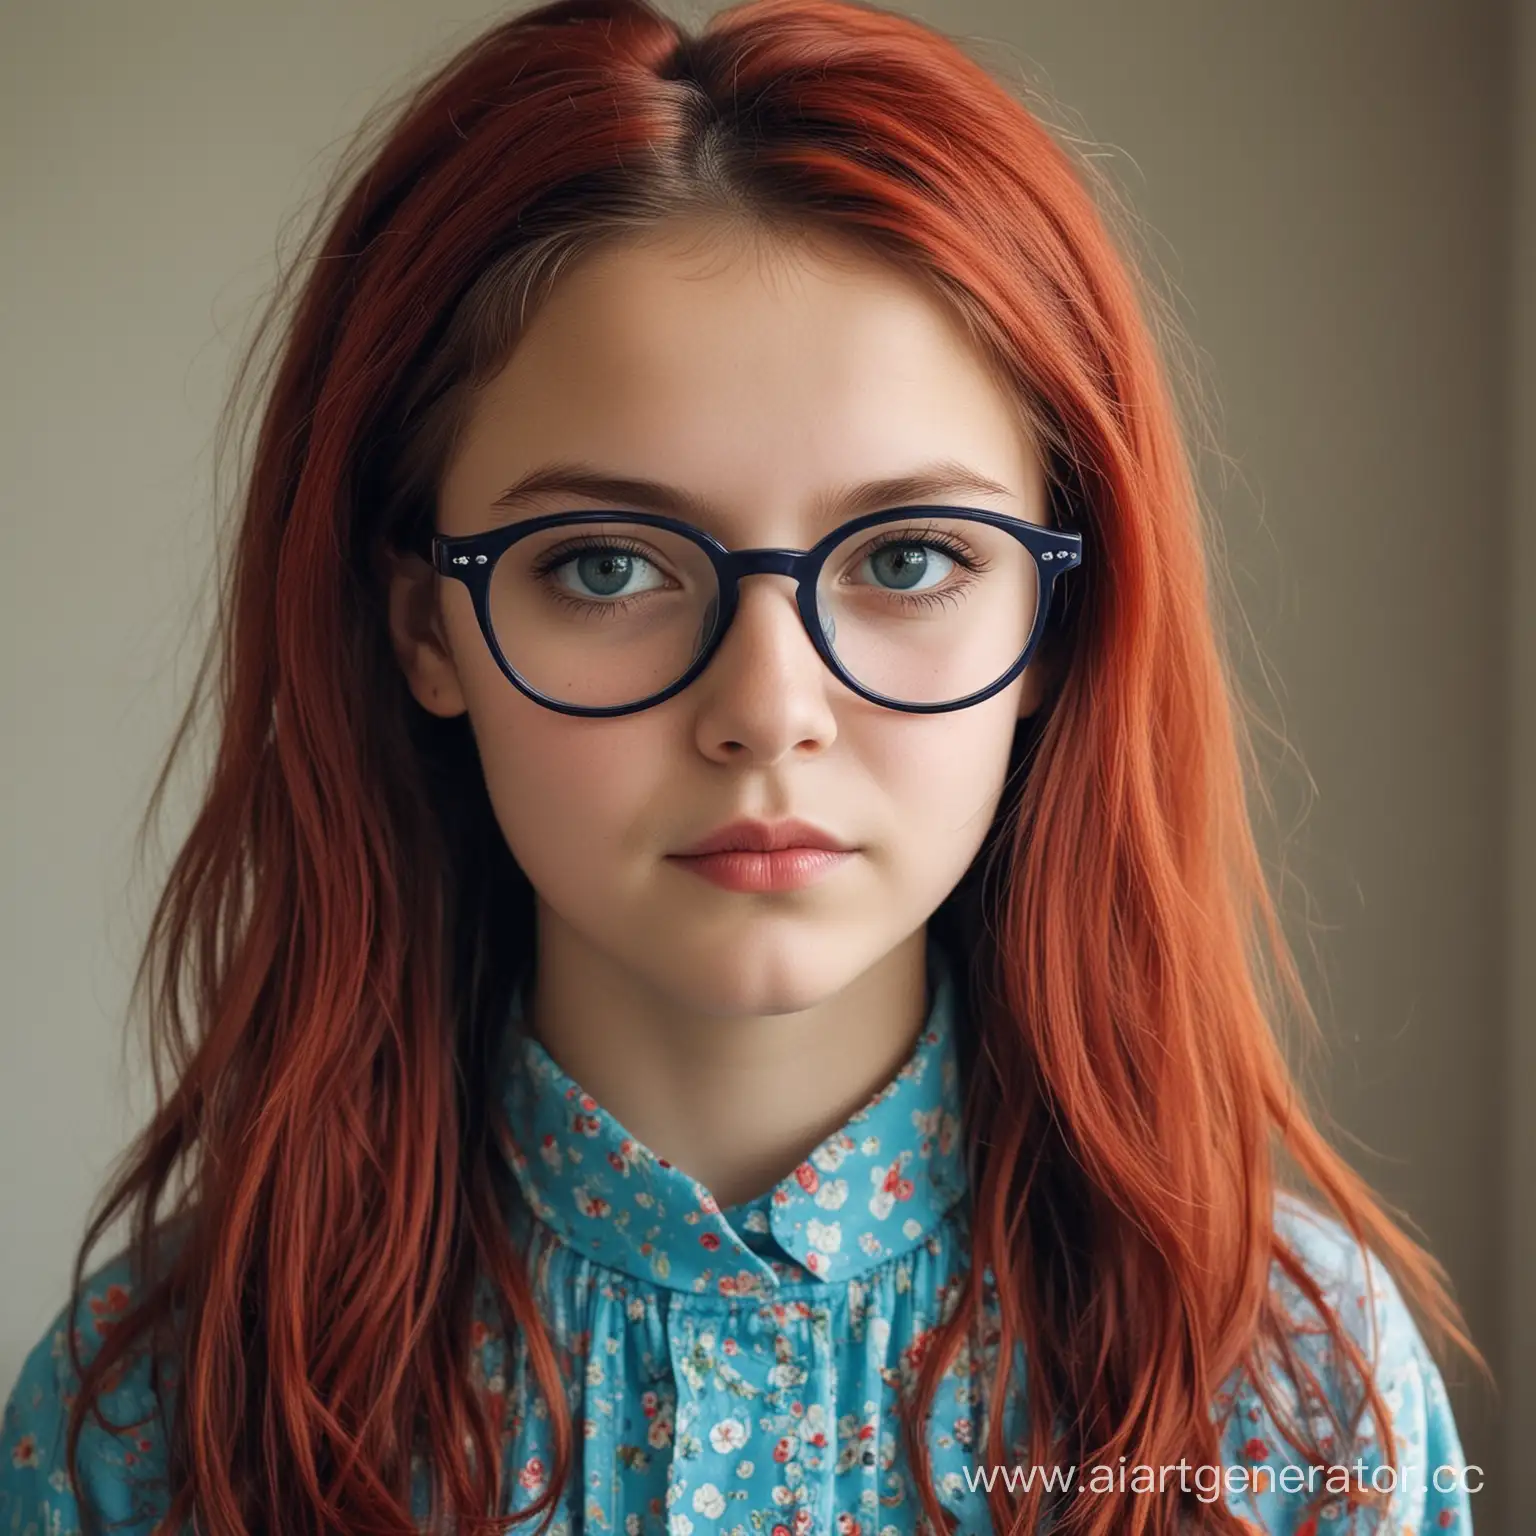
x=918 y=608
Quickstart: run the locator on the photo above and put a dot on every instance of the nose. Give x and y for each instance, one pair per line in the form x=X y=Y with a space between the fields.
x=765 y=692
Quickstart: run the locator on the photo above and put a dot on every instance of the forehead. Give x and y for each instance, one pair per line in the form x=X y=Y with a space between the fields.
x=754 y=372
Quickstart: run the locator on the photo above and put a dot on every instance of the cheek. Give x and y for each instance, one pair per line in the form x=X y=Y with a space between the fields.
x=564 y=788
x=941 y=782
x=570 y=794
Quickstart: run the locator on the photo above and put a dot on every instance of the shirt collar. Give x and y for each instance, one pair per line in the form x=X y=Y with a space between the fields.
x=872 y=1189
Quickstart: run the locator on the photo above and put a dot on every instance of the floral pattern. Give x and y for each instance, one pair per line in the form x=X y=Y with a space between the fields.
x=737 y=1372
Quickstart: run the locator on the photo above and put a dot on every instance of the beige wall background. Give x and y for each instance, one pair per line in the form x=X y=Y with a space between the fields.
x=1342 y=197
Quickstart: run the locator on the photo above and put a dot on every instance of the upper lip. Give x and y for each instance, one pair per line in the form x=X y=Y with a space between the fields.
x=763 y=837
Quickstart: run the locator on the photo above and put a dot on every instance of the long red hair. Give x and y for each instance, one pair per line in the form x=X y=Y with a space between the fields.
x=344 y=921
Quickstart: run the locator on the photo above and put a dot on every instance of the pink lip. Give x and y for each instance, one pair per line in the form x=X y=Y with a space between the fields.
x=747 y=834
x=784 y=869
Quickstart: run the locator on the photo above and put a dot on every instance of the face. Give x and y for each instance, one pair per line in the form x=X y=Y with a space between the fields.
x=760 y=381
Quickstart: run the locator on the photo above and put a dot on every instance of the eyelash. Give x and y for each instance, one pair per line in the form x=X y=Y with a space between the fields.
x=945 y=543
x=561 y=554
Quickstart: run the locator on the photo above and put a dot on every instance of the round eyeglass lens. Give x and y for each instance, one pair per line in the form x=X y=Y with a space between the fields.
x=924 y=610
x=928 y=609
x=602 y=614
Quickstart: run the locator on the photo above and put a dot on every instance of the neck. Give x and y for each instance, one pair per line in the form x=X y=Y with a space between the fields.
x=737 y=1101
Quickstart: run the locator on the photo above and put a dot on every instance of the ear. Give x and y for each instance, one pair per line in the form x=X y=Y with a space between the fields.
x=417 y=634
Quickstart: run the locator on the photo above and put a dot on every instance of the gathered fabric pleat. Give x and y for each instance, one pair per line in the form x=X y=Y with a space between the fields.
x=703 y=1414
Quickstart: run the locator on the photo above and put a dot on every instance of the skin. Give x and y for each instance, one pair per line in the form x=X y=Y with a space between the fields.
x=729 y=1032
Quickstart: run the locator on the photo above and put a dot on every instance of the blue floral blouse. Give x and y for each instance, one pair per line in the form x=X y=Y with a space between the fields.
x=735 y=1373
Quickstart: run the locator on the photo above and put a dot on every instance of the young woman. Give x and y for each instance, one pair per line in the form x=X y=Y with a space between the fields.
x=732 y=987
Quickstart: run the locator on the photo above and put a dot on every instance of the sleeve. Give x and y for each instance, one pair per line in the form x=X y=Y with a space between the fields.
x=1437 y=1484
x=1430 y=1493
x=35 y=1491
x=37 y=1494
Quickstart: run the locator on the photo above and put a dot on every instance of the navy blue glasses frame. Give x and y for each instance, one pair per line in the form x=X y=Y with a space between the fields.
x=471 y=558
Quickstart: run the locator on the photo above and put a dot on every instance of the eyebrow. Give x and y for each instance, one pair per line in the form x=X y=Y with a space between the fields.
x=941 y=478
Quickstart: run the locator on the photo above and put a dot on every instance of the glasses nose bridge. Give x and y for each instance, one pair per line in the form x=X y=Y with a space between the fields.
x=767 y=562
x=738 y=563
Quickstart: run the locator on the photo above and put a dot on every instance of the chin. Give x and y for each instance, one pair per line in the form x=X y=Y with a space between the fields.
x=767 y=968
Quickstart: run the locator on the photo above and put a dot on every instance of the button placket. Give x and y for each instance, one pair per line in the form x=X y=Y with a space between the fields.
x=820 y=1432
x=860 y=1431
x=719 y=1395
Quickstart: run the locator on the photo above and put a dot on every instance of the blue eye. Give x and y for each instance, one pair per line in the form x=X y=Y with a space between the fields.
x=903 y=566
x=604 y=568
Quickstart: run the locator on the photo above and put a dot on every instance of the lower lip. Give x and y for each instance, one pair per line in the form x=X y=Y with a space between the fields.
x=785 y=869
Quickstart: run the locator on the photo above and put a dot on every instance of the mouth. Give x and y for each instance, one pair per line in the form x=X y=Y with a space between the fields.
x=765 y=870
x=749 y=836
